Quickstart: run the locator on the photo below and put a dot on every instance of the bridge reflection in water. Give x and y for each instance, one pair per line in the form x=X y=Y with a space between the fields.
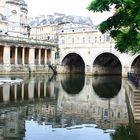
x=62 y=104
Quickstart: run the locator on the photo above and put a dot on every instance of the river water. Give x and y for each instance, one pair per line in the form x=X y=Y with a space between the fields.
x=64 y=107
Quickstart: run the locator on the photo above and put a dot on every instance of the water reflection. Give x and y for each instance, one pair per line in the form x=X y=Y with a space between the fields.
x=73 y=83
x=107 y=86
x=44 y=108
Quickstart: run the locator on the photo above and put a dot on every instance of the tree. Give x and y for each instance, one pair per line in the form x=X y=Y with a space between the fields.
x=124 y=133
x=123 y=25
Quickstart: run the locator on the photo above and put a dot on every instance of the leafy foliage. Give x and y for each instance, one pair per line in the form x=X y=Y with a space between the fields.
x=123 y=25
x=123 y=133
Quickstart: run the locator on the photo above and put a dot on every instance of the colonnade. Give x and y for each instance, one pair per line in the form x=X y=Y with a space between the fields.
x=25 y=55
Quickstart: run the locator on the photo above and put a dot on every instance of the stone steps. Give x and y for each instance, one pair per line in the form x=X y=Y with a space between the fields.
x=136 y=98
x=136 y=105
x=137 y=120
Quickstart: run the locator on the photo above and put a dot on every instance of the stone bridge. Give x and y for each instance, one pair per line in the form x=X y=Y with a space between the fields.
x=98 y=57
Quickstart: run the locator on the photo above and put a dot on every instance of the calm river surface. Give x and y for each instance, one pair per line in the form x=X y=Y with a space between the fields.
x=64 y=107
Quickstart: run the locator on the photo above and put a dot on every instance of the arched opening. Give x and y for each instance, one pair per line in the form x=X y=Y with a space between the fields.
x=73 y=63
x=26 y=59
x=107 y=64
x=73 y=83
x=12 y=55
x=19 y=52
x=1 y=54
x=135 y=67
x=49 y=55
x=106 y=86
x=36 y=56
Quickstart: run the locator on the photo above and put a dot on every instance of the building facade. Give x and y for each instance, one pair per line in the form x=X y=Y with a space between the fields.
x=47 y=27
x=86 y=50
x=82 y=48
x=13 y=18
x=24 y=55
x=18 y=52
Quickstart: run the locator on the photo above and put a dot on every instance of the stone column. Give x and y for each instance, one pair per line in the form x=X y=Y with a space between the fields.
x=52 y=56
x=45 y=57
x=31 y=56
x=6 y=55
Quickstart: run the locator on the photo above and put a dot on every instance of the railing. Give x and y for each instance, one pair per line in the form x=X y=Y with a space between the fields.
x=21 y=40
x=134 y=78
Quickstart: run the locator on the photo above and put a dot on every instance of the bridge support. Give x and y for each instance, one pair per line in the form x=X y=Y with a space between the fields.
x=125 y=71
x=88 y=70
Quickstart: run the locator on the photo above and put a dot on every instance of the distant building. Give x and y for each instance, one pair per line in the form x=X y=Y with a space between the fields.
x=17 y=49
x=47 y=27
x=13 y=18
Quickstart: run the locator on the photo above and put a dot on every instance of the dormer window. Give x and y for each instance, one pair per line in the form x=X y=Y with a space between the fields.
x=14 y=12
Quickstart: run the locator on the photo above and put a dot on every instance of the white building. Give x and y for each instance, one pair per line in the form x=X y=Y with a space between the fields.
x=47 y=27
x=86 y=50
x=13 y=18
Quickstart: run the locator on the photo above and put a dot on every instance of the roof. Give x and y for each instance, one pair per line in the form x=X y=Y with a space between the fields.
x=59 y=19
x=2 y=17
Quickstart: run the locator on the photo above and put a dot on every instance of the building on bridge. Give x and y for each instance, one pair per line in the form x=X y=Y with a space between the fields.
x=86 y=50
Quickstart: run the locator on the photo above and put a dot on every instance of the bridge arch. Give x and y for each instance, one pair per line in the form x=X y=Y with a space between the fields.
x=135 y=64
x=73 y=63
x=107 y=63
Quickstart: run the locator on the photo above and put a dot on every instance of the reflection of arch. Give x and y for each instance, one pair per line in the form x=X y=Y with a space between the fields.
x=107 y=86
x=73 y=63
x=135 y=66
x=107 y=63
x=73 y=84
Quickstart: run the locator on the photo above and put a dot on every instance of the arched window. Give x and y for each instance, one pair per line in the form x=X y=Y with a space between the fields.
x=83 y=39
x=62 y=40
x=72 y=40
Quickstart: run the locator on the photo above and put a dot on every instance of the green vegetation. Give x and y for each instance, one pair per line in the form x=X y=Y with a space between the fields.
x=123 y=25
x=123 y=133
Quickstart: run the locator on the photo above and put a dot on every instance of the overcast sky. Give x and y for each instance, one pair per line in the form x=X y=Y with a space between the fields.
x=71 y=7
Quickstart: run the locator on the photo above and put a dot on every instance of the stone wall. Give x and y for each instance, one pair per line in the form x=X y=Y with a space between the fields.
x=24 y=69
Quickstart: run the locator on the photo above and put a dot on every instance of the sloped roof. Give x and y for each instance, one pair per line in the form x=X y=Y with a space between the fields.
x=2 y=17
x=60 y=20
